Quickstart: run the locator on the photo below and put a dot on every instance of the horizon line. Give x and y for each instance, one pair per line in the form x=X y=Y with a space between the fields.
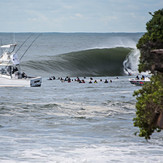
x=74 y=32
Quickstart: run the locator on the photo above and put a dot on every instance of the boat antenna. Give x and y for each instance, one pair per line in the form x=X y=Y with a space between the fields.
x=24 y=42
x=29 y=46
x=14 y=38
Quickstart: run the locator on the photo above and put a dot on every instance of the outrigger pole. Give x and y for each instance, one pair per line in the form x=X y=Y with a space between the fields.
x=23 y=43
x=30 y=46
x=19 y=47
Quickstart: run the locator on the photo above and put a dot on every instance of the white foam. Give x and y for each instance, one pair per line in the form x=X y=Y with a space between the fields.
x=94 y=154
x=131 y=62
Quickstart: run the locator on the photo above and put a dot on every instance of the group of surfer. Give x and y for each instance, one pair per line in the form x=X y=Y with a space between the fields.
x=77 y=79
x=142 y=78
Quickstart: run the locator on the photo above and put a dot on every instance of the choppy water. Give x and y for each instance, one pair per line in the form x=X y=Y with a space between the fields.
x=72 y=122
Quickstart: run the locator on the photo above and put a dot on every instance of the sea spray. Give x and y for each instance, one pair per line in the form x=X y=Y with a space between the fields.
x=131 y=62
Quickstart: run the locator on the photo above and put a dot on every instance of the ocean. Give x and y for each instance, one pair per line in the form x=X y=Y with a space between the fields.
x=74 y=122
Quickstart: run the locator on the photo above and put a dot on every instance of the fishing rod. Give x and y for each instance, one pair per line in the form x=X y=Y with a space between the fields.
x=30 y=46
x=26 y=49
x=24 y=43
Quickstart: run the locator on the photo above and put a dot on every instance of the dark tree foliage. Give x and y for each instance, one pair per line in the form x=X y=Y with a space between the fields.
x=149 y=106
x=152 y=39
x=150 y=98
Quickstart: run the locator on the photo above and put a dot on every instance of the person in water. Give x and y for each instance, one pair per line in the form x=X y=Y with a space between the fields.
x=90 y=82
x=69 y=80
x=77 y=79
x=106 y=81
x=95 y=81
x=83 y=81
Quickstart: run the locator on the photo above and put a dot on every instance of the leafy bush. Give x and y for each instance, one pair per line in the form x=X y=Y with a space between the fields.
x=150 y=98
x=153 y=39
x=149 y=105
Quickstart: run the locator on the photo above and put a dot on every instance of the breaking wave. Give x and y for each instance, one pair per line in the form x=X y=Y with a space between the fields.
x=131 y=63
x=92 y=62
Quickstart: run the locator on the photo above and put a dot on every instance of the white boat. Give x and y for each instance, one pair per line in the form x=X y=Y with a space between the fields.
x=10 y=72
x=139 y=81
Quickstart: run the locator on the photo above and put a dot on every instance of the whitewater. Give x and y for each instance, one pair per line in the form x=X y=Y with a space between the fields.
x=75 y=122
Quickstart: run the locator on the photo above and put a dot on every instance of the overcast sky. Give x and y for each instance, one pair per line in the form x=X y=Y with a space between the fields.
x=76 y=15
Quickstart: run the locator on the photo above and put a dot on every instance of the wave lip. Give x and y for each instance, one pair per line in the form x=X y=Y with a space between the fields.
x=131 y=62
x=92 y=62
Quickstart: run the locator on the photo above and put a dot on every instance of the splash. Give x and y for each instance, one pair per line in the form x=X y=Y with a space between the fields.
x=131 y=62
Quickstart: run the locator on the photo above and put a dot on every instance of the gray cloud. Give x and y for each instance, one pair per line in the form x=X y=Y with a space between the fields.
x=76 y=15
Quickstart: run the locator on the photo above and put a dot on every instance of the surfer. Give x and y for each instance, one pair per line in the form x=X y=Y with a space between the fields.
x=106 y=81
x=83 y=81
x=52 y=78
x=69 y=80
x=77 y=79
x=95 y=81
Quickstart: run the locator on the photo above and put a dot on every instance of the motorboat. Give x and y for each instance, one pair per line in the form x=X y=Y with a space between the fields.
x=10 y=71
x=139 y=81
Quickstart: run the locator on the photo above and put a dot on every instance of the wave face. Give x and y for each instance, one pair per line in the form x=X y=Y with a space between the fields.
x=93 y=62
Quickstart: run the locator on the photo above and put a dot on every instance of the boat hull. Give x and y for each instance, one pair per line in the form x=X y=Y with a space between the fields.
x=139 y=82
x=28 y=82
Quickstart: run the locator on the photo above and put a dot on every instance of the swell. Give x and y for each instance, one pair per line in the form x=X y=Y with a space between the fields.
x=93 y=62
